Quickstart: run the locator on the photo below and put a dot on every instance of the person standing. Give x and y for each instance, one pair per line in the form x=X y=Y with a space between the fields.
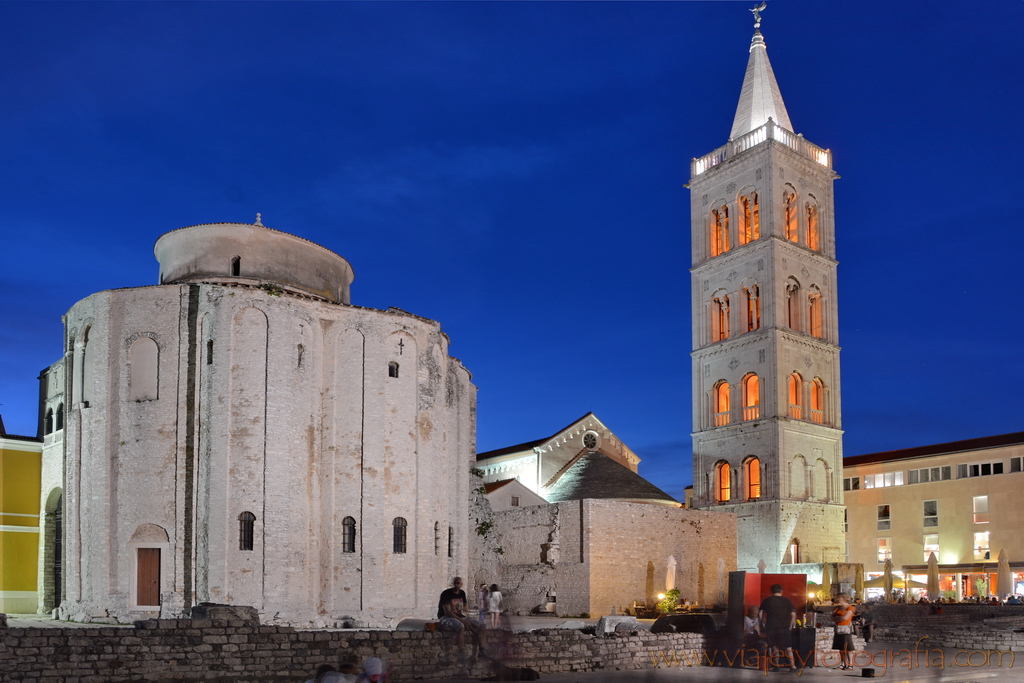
x=779 y=618
x=842 y=617
x=494 y=604
x=481 y=602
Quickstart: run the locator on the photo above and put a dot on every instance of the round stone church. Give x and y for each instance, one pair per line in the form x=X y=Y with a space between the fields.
x=241 y=433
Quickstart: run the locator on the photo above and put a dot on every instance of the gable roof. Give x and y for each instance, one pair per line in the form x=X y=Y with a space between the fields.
x=495 y=485
x=529 y=445
x=595 y=475
x=948 y=448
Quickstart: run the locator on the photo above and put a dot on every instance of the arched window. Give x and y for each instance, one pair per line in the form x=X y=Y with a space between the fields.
x=789 y=215
x=301 y=355
x=143 y=365
x=392 y=369
x=818 y=401
x=209 y=352
x=348 y=535
x=719 y=318
x=719 y=230
x=794 y=551
x=722 y=412
x=246 y=527
x=814 y=313
x=752 y=475
x=751 y=397
x=752 y=298
x=400 y=526
x=723 y=485
x=236 y=266
x=48 y=422
x=796 y=402
x=813 y=237
x=60 y=417
x=793 y=304
x=750 y=227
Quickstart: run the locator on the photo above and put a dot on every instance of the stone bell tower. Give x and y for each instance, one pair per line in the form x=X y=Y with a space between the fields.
x=767 y=438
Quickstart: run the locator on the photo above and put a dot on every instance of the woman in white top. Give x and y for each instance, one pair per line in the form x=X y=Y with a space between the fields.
x=494 y=605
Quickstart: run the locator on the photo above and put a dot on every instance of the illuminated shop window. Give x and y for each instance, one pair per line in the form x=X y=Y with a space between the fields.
x=884 y=550
x=980 y=509
x=981 y=549
x=931 y=545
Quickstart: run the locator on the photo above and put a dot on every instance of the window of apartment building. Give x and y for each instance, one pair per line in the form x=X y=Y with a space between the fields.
x=923 y=476
x=981 y=509
x=846 y=524
x=931 y=513
x=931 y=545
x=884 y=520
x=514 y=502
x=884 y=550
x=877 y=481
x=979 y=469
x=851 y=484
x=1015 y=464
x=981 y=549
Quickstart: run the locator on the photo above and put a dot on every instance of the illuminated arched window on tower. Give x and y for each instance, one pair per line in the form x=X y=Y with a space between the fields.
x=750 y=226
x=789 y=215
x=719 y=230
x=48 y=422
x=752 y=299
x=722 y=411
x=813 y=238
x=796 y=400
x=752 y=474
x=814 y=319
x=751 y=397
x=719 y=318
x=794 y=551
x=818 y=401
x=793 y=305
x=723 y=487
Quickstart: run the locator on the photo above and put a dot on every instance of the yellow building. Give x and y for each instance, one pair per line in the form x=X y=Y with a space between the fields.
x=20 y=471
x=961 y=500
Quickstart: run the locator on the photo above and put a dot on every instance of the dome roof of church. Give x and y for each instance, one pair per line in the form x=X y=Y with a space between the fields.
x=595 y=475
x=255 y=254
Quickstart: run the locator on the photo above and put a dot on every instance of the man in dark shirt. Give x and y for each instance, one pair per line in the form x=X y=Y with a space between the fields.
x=779 y=618
x=451 y=613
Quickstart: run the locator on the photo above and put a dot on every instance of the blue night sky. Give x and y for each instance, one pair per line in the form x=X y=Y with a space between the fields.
x=516 y=171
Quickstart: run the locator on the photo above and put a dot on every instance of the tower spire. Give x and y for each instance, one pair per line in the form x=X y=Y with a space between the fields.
x=760 y=98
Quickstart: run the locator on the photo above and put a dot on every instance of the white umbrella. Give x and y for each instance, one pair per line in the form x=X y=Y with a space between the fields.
x=933 y=577
x=887 y=580
x=670 y=575
x=1004 y=579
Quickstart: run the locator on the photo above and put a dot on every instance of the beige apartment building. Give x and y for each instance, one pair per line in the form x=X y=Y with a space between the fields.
x=961 y=500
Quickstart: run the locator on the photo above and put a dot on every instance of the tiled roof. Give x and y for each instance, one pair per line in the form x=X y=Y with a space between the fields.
x=529 y=445
x=495 y=485
x=979 y=444
x=595 y=475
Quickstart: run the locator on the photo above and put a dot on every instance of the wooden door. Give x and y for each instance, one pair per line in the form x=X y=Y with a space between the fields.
x=149 y=577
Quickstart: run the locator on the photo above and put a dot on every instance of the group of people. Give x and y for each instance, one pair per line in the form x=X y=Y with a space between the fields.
x=769 y=629
x=374 y=671
x=453 y=611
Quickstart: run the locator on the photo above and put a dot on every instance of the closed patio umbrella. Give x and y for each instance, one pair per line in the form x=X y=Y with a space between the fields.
x=1004 y=579
x=887 y=580
x=933 y=577
x=858 y=582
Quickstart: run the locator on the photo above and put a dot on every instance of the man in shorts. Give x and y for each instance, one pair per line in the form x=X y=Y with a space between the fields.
x=779 y=618
x=451 y=613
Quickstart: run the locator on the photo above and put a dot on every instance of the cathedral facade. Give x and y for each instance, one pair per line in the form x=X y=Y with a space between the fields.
x=240 y=433
x=767 y=439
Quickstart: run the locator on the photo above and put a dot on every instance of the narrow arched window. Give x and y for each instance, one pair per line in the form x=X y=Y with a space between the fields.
x=751 y=397
x=723 y=485
x=813 y=237
x=719 y=318
x=793 y=305
x=719 y=230
x=750 y=228
x=399 y=537
x=722 y=408
x=246 y=527
x=753 y=307
x=818 y=401
x=300 y=353
x=209 y=352
x=48 y=422
x=60 y=417
x=755 y=218
x=752 y=474
x=236 y=266
x=794 y=551
x=143 y=366
x=796 y=388
x=789 y=215
x=392 y=369
x=451 y=542
x=348 y=535
x=814 y=313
